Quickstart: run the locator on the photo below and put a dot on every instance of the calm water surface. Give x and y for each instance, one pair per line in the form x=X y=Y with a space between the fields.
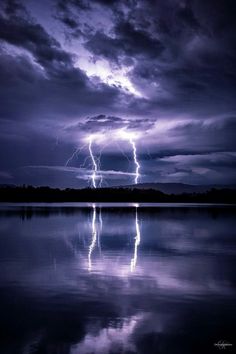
x=127 y=279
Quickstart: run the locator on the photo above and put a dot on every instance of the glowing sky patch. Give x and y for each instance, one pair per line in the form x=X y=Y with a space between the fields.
x=117 y=77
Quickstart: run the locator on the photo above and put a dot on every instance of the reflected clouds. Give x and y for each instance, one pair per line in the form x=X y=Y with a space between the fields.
x=109 y=339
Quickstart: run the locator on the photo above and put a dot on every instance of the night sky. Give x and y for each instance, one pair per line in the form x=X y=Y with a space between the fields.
x=161 y=72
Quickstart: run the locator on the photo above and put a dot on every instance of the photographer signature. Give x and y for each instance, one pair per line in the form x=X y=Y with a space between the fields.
x=222 y=344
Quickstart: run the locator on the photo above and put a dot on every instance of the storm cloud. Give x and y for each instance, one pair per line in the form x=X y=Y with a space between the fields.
x=162 y=70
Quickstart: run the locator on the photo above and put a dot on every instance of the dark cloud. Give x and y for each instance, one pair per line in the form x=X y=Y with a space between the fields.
x=127 y=41
x=103 y=123
x=32 y=37
x=182 y=56
x=54 y=86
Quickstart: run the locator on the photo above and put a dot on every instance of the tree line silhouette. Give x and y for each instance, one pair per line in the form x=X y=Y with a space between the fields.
x=29 y=194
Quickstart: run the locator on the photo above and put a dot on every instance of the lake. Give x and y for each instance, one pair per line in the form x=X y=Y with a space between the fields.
x=124 y=278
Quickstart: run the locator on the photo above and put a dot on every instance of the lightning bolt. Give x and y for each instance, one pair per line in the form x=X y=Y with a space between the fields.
x=94 y=237
x=136 y=242
x=95 y=161
x=95 y=166
x=96 y=177
x=131 y=137
x=75 y=153
x=135 y=160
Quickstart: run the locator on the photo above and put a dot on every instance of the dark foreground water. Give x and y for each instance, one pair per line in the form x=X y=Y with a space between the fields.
x=124 y=279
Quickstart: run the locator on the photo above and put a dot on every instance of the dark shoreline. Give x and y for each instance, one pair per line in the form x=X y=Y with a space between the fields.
x=29 y=194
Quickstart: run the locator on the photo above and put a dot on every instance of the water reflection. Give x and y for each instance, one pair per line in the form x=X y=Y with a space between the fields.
x=94 y=237
x=117 y=280
x=100 y=230
x=137 y=240
x=96 y=234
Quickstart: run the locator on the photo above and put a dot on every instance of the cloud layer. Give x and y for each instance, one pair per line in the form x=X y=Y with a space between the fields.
x=164 y=70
